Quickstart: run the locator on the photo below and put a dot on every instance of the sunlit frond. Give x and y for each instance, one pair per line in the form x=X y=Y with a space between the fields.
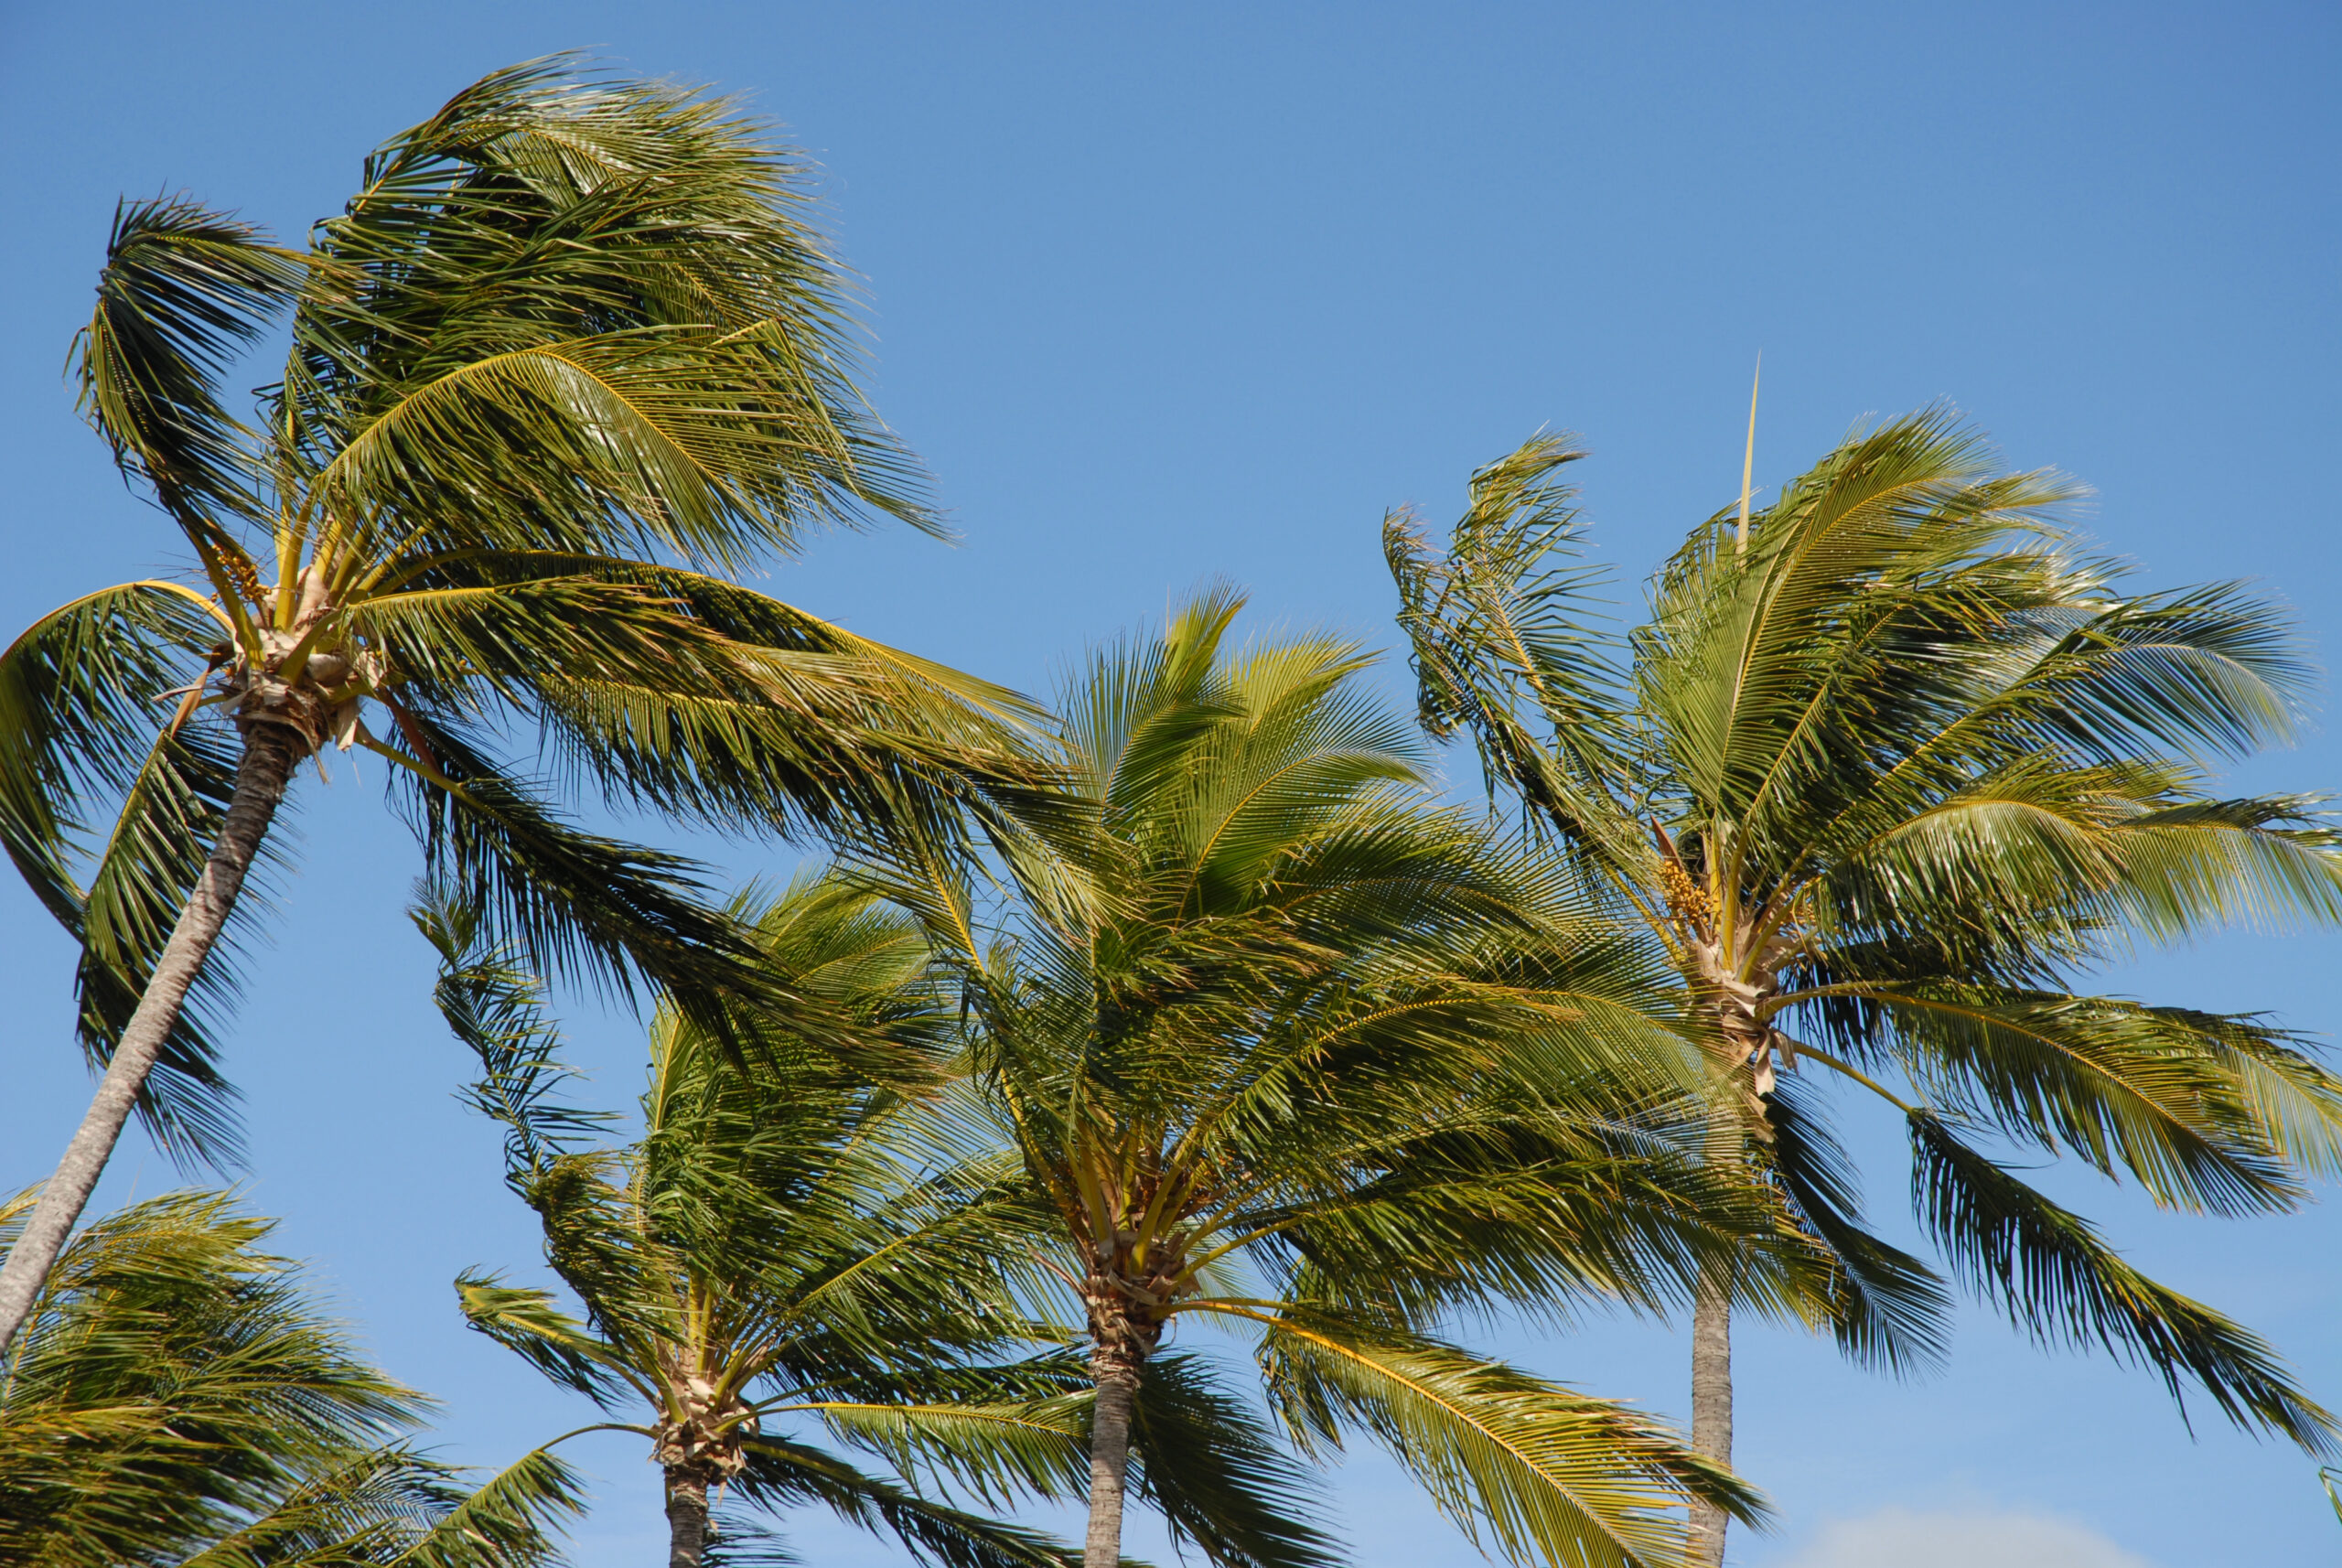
x=1540 y=1474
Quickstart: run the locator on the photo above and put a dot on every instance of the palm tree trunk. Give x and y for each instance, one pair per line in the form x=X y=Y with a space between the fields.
x=270 y=751
x=1710 y=1408
x=1109 y=1455
x=686 y=1517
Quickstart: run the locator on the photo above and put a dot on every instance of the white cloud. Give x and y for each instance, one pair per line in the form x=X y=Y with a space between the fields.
x=1897 y=1538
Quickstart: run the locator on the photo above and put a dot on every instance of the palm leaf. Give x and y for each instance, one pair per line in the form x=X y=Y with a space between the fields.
x=183 y=291
x=1541 y=1473
x=2047 y=1268
x=781 y=1473
x=1208 y=1464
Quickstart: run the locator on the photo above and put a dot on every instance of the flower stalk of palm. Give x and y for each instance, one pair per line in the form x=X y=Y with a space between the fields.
x=1257 y=1079
x=176 y=1400
x=569 y=353
x=785 y=1245
x=1878 y=786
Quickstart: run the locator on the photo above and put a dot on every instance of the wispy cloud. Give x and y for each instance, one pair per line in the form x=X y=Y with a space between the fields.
x=1898 y=1538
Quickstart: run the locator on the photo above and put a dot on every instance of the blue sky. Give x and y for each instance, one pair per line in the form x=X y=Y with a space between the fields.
x=1164 y=293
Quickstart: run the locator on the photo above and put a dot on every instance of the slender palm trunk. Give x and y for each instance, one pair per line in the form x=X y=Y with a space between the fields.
x=1109 y=1455
x=686 y=1517
x=271 y=750
x=1711 y=1409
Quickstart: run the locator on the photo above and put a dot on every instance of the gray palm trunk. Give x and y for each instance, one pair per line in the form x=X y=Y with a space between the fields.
x=687 y=1529
x=271 y=752
x=1109 y=1455
x=1711 y=1411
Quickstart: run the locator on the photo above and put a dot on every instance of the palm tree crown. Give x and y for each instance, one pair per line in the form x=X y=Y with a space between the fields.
x=785 y=1244
x=1257 y=1053
x=176 y=1400
x=1879 y=781
x=571 y=352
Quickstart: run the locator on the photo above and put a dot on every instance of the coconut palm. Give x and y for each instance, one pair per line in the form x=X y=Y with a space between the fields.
x=1266 y=1077
x=1890 y=766
x=176 y=1400
x=785 y=1246
x=570 y=351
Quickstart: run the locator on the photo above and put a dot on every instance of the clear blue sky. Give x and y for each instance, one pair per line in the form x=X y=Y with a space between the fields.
x=1162 y=293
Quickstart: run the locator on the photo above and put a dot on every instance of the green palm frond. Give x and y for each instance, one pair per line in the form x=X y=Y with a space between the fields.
x=1505 y=644
x=564 y=255
x=2048 y=1269
x=999 y=1452
x=504 y=1522
x=1886 y=1307
x=497 y=1008
x=781 y=1475
x=574 y=902
x=2124 y=1086
x=1540 y=1473
x=1207 y=1464
x=396 y=1507
x=184 y=291
x=79 y=718
x=526 y=1321
x=2261 y=862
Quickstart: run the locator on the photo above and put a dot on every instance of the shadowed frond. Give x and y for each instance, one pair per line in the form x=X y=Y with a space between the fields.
x=1205 y=1462
x=2046 y=1267
x=183 y=292
x=781 y=1475
x=497 y=1009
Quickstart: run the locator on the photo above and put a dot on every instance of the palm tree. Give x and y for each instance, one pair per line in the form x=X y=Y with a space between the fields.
x=1889 y=766
x=176 y=1400
x=570 y=351
x=1259 y=1054
x=784 y=1244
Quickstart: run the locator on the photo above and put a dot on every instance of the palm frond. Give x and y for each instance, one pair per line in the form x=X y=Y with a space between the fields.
x=1205 y=1461
x=81 y=734
x=498 y=1009
x=1502 y=640
x=1000 y=1452
x=172 y=1383
x=1538 y=1471
x=1888 y=1308
x=622 y=269
x=2047 y=1268
x=504 y=1522
x=781 y=1473
x=576 y=904
x=183 y=290
x=526 y=1321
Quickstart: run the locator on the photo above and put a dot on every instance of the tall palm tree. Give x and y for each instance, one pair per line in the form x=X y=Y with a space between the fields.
x=570 y=351
x=785 y=1245
x=177 y=1400
x=1265 y=1074
x=1887 y=768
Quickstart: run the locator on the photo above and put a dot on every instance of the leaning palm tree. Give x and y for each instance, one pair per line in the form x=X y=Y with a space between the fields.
x=1266 y=1075
x=1890 y=766
x=785 y=1245
x=569 y=352
x=176 y=1402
